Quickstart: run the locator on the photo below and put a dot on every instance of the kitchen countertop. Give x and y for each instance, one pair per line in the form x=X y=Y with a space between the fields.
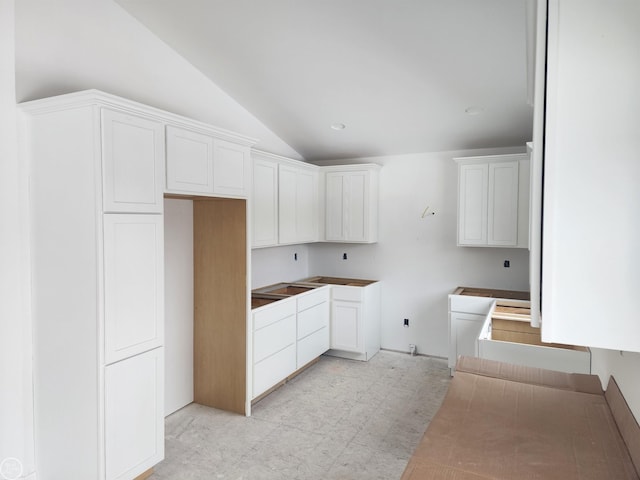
x=492 y=293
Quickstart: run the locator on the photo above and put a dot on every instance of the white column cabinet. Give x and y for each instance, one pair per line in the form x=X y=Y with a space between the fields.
x=493 y=201
x=198 y=162
x=351 y=203
x=96 y=198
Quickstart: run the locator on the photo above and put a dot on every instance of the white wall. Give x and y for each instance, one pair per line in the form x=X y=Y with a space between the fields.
x=178 y=311
x=624 y=366
x=277 y=264
x=417 y=258
x=16 y=405
x=68 y=45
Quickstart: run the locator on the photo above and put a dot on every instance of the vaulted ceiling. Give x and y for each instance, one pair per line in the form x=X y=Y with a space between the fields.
x=402 y=76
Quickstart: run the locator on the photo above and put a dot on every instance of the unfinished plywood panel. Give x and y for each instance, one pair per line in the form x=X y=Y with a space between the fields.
x=220 y=303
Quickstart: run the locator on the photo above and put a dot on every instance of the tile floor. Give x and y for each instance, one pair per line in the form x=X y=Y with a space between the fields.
x=340 y=419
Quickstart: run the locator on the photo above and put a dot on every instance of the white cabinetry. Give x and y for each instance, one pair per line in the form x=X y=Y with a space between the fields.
x=591 y=225
x=133 y=153
x=297 y=203
x=493 y=201
x=466 y=317
x=285 y=201
x=199 y=162
x=274 y=344
x=312 y=325
x=264 y=202
x=351 y=203
x=97 y=285
x=355 y=321
x=133 y=284
x=134 y=415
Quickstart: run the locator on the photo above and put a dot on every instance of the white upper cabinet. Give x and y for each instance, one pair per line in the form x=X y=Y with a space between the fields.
x=264 y=202
x=189 y=161
x=203 y=164
x=351 y=203
x=591 y=224
x=297 y=203
x=133 y=152
x=493 y=201
x=231 y=169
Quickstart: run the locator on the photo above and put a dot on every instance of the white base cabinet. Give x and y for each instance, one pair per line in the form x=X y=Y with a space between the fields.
x=355 y=321
x=287 y=335
x=466 y=318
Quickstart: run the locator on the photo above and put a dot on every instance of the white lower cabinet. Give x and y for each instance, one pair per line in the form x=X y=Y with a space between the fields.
x=312 y=325
x=134 y=423
x=355 y=321
x=287 y=335
x=466 y=317
x=511 y=344
x=274 y=344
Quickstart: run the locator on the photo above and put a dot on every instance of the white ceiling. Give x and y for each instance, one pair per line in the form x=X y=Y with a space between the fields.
x=398 y=73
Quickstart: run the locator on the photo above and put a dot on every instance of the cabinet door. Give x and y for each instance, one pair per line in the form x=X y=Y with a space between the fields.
x=133 y=163
x=134 y=291
x=472 y=204
x=287 y=204
x=231 y=169
x=334 y=206
x=265 y=203
x=346 y=326
x=503 y=204
x=306 y=205
x=189 y=161
x=464 y=331
x=356 y=205
x=134 y=415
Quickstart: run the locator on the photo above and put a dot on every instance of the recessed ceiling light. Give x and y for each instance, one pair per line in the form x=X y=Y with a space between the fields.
x=473 y=110
x=338 y=126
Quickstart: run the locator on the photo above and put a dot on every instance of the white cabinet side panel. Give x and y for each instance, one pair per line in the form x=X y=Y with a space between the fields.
x=178 y=338
x=592 y=175
x=65 y=171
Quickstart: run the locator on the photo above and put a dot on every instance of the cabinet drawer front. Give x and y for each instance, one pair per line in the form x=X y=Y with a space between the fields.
x=349 y=294
x=273 y=369
x=189 y=161
x=276 y=311
x=313 y=319
x=313 y=298
x=134 y=286
x=274 y=338
x=312 y=346
x=134 y=415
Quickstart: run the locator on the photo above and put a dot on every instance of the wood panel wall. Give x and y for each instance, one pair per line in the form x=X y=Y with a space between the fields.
x=220 y=303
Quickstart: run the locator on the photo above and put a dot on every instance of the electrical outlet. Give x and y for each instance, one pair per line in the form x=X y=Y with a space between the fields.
x=507 y=264
x=295 y=257
x=344 y=256
x=406 y=322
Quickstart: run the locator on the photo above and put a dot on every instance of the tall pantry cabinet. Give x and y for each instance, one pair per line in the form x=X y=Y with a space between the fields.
x=96 y=202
